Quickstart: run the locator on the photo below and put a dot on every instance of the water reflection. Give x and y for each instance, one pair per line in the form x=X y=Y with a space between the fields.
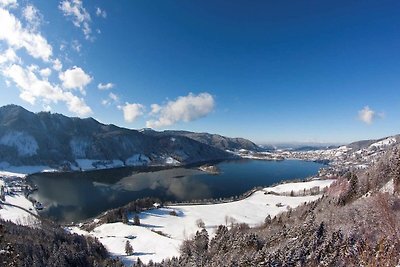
x=180 y=183
x=77 y=196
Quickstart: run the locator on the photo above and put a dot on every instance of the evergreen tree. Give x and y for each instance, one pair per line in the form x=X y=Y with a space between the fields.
x=267 y=220
x=125 y=218
x=136 y=220
x=128 y=248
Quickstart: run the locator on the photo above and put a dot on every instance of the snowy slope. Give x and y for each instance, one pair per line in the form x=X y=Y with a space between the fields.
x=385 y=142
x=151 y=246
x=16 y=215
x=25 y=144
x=296 y=187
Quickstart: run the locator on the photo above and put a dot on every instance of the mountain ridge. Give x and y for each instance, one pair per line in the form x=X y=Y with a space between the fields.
x=55 y=140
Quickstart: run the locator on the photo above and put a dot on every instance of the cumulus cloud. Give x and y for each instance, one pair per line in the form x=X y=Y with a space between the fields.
x=57 y=65
x=367 y=115
x=75 y=78
x=184 y=108
x=132 y=111
x=105 y=86
x=32 y=16
x=33 y=88
x=112 y=99
x=19 y=37
x=101 y=13
x=155 y=108
x=45 y=73
x=32 y=80
x=113 y=96
x=8 y=3
x=80 y=17
x=9 y=56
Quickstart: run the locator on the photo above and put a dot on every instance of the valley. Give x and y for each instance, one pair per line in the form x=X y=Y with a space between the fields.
x=187 y=196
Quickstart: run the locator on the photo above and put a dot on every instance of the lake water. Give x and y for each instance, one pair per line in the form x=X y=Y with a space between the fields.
x=72 y=197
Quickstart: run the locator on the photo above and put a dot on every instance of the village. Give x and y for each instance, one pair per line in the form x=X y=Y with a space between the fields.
x=13 y=185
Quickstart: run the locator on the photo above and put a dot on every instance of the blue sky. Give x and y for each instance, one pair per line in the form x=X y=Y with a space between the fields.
x=270 y=71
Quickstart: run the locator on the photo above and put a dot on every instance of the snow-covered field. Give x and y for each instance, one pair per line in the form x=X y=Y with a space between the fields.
x=296 y=187
x=14 y=214
x=17 y=215
x=149 y=245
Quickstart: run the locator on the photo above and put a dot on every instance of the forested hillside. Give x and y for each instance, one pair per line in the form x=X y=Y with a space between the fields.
x=356 y=223
x=48 y=245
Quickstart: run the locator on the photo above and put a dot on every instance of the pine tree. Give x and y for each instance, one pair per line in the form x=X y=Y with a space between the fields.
x=136 y=220
x=125 y=218
x=128 y=248
x=267 y=220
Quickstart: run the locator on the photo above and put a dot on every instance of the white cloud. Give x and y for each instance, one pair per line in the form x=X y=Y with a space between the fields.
x=76 y=45
x=57 y=65
x=367 y=115
x=112 y=99
x=101 y=13
x=8 y=3
x=18 y=37
x=32 y=16
x=33 y=80
x=132 y=111
x=155 y=109
x=80 y=17
x=9 y=56
x=185 y=108
x=75 y=78
x=106 y=86
x=33 y=68
x=45 y=73
x=32 y=88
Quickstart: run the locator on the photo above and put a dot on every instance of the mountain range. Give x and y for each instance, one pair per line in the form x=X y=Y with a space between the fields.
x=55 y=140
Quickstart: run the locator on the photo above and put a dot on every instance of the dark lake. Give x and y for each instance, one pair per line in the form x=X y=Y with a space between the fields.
x=72 y=197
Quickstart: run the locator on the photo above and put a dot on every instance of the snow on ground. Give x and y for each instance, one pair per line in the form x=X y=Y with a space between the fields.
x=94 y=164
x=25 y=144
x=149 y=245
x=296 y=187
x=384 y=142
x=11 y=174
x=171 y=161
x=17 y=215
x=138 y=160
x=21 y=171
x=146 y=244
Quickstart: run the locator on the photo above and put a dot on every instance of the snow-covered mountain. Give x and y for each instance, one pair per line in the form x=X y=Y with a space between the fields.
x=55 y=140
x=356 y=155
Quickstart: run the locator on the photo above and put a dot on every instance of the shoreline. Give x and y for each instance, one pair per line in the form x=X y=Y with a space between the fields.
x=145 y=169
x=161 y=227
x=169 y=226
